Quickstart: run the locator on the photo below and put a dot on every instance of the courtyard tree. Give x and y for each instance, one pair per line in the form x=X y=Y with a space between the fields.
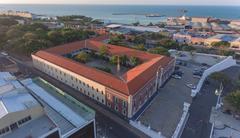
x=103 y=50
x=82 y=57
x=123 y=59
x=114 y=60
x=134 y=61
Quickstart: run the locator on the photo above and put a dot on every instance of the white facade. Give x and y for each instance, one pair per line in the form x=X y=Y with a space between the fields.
x=88 y=87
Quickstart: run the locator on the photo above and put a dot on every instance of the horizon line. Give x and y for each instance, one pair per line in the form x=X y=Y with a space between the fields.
x=116 y=4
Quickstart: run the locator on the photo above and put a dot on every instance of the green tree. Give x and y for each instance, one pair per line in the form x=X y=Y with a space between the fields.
x=30 y=36
x=150 y=24
x=159 y=50
x=220 y=77
x=140 y=47
x=56 y=37
x=188 y=48
x=136 y=23
x=221 y=44
x=168 y=44
x=14 y=33
x=123 y=59
x=234 y=99
x=114 y=59
x=30 y=46
x=139 y=39
x=103 y=50
x=117 y=40
x=82 y=57
x=134 y=61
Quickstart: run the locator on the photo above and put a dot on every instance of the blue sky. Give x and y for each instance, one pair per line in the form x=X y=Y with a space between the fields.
x=145 y=2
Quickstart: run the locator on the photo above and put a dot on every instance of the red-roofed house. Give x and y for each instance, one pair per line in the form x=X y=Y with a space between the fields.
x=125 y=93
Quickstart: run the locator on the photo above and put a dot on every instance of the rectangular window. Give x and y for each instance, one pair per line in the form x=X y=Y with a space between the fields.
x=108 y=96
x=4 y=130
x=24 y=120
x=116 y=99
x=124 y=104
x=109 y=105
x=116 y=108
x=124 y=111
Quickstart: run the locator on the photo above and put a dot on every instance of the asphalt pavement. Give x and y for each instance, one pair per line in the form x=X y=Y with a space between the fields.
x=198 y=125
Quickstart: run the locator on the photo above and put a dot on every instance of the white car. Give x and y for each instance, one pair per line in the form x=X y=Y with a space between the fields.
x=176 y=77
x=191 y=86
x=4 y=53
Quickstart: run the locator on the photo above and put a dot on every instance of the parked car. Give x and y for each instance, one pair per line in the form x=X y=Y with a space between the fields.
x=204 y=64
x=184 y=63
x=178 y=72
x=177 y=67
x=182 y=55
x=4 y=53
x=191 y=86
x=198 y=73
x=178 y=62
x=176 y=77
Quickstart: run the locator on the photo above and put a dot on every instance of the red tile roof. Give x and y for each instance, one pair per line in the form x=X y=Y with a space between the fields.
x=128 y=84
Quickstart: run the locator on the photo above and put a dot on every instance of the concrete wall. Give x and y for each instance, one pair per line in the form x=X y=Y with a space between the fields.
x=180 y=127
x=226 y=63
x=147 y=130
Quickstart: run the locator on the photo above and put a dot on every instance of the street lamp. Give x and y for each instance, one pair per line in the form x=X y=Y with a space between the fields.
x=218 y=92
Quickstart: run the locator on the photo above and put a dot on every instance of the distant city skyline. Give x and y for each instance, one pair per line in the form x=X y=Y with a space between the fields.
x=132 y=2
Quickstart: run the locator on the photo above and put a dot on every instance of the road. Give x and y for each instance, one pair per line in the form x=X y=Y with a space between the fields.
x=108 y=124
x=198 y=125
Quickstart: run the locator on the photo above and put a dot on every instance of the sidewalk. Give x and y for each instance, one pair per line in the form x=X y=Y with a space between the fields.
x=220 y=118
x=224 y=125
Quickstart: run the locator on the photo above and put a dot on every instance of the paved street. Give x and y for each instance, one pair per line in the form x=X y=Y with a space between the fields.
x=198 y=125
x=109 y=125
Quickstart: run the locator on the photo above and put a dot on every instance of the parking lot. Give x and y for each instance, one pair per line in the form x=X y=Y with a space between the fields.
x=166 y=109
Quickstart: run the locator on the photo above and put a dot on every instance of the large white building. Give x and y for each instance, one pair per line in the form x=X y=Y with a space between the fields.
x=28 y=110
x=125 y=93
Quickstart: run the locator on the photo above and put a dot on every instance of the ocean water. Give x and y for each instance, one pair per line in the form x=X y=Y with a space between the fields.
x=106 y=12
